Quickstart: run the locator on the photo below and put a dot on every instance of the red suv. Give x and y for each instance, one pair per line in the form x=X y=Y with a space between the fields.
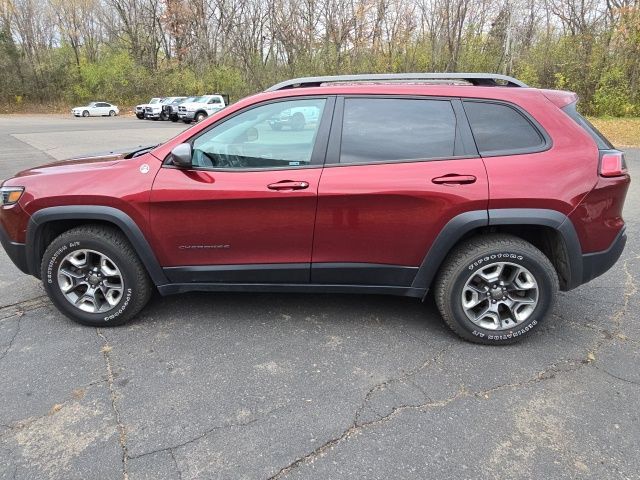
x=492 y=194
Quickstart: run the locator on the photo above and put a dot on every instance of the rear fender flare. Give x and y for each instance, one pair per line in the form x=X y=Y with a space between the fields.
x=462 y=224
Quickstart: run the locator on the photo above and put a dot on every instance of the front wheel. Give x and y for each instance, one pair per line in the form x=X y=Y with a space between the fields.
x=85 y=113
x=93 y=276
x=495 y=289
x=200 y=116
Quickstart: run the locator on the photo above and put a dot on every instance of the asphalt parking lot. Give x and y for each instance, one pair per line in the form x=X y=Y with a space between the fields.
x=262 y=386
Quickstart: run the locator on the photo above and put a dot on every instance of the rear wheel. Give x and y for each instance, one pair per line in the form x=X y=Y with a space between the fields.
x=93 y=276
x=495 y=289
x=112 y=113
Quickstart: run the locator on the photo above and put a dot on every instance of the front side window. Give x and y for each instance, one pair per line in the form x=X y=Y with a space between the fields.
x=396 y=130
x=275 y=135
x=501 y=129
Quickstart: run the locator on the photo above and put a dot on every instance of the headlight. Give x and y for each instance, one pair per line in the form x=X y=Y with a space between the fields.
x=10 y=195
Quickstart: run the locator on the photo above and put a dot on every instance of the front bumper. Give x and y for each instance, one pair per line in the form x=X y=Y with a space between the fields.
x=152 y=114
x=16 y=251
x=595 y=264
x=186 y=115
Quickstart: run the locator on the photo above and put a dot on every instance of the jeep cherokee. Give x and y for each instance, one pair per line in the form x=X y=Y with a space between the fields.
x=489 y=193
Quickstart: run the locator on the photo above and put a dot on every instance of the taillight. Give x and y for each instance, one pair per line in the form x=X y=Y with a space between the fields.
x=612 y=164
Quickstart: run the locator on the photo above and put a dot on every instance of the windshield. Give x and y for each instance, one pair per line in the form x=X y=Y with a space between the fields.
x=92 y=104
x=177 y=101
x=154 y=100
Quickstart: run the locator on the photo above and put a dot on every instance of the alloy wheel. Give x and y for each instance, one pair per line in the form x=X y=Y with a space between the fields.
x=90 y=281
x=500 y=296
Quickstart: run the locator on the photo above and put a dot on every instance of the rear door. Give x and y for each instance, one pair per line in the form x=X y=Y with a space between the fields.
x=397 y=170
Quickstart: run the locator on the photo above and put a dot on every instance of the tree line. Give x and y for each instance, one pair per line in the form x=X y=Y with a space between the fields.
x=67 y=51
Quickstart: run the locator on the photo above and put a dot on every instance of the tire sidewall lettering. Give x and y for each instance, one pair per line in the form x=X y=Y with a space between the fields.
x=494 y=257
x=51 y=278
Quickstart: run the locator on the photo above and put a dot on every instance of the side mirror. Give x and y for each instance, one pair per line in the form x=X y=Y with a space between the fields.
x=181 y=155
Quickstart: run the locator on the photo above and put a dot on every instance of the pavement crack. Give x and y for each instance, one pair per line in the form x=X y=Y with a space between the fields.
x=356 y=428
x=19 y=308
x=175 y=462
x=13 y=338
x=405 y=376
x=622 y=379
x=193 y=439
x=122 y=431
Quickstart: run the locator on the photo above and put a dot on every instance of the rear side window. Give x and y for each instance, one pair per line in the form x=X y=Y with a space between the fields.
x=395 y=130
x=499 y=129
x=599 y=138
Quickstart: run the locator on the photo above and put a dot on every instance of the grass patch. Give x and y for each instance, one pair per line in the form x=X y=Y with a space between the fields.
x=622 y=132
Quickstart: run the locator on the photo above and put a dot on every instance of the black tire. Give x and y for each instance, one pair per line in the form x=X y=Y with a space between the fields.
x=112 y=113
x=136 y=284
x=174 y=119
x=200 y=116
x=140 y=116
x=163 y=116
x=85 y=113
x=186 y=121
x=480 y=252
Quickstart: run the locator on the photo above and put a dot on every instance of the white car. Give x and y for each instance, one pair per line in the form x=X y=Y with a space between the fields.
x=155 y=110
x=200 y=108
x=140 y=109
x=96 y=109
x=295 y=118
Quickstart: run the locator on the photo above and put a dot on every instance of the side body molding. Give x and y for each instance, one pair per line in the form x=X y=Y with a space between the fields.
x=92 y=212
x=462 y=224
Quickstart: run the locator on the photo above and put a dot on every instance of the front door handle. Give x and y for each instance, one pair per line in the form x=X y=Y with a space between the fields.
x=454 y=179
x=288 y=185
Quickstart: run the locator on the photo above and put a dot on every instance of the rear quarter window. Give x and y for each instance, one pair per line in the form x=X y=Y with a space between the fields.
x=599 y=138
x=500 y=129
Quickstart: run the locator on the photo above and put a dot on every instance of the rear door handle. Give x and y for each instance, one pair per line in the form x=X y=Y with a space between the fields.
x=288 y=185
x=454 y=179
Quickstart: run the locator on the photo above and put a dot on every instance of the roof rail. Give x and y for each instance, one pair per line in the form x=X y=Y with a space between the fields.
x=478 y=79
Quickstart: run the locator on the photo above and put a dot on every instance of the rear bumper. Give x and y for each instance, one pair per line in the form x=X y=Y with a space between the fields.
x=595 y=264
x=16 y=251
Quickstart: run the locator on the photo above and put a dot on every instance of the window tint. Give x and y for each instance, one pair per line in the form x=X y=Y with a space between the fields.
x=280 y=134
x=382 y=130
x=500 y=128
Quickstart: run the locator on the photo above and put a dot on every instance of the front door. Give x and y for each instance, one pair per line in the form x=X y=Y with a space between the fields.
x=398 y=169
x=246 y=211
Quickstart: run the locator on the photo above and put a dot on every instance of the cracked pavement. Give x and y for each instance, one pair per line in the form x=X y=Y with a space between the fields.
x=262 y=386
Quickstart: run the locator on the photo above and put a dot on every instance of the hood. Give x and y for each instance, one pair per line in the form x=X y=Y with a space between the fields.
x=87 y=162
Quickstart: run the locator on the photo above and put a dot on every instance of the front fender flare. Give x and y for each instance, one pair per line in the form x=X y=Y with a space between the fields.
x=91 y=212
